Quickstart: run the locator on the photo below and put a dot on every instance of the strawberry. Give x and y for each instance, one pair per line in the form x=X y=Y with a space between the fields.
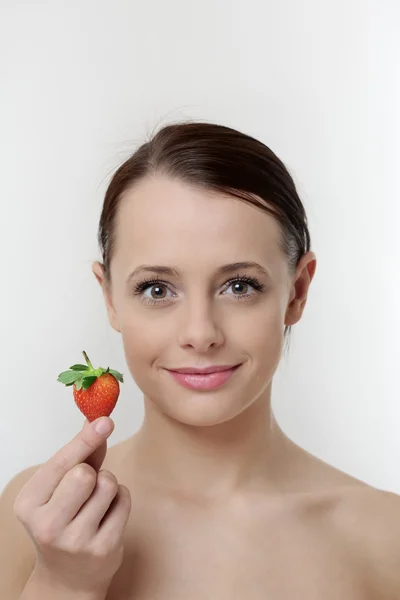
x=95 y=391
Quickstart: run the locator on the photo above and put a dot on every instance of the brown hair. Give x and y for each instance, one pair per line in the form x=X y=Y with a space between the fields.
x=220 y=159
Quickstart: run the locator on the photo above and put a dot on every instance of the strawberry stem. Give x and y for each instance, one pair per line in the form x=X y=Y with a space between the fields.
x=89 y=364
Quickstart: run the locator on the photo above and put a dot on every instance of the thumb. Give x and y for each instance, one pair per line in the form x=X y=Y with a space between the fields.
x=97 y=457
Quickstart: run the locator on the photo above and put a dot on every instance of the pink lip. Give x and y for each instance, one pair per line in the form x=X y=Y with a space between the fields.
x=204 y=370
x=203 y=380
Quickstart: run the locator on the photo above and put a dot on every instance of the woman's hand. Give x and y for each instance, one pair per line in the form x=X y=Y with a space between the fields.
x=76 y=515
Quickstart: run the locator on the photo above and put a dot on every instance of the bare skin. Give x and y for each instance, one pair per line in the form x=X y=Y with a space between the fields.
x=334 y=537
x=224 y=505
x=322 y=534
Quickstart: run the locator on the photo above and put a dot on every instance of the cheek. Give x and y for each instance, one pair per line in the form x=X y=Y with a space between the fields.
x=146 y=338
x=144 y=335
x=260 y=328
x=262 y=340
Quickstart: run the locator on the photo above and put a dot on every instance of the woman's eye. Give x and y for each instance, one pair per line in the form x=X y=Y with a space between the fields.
x=240 y=288
x=156 y=291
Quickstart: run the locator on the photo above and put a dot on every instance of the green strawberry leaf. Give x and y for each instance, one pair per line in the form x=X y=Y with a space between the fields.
x=117 y=375
x=68 y=377
x=79 y=367
x=78 y=383
x=88 y=381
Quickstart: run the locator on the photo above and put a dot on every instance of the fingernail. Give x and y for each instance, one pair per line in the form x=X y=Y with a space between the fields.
x=102 y=426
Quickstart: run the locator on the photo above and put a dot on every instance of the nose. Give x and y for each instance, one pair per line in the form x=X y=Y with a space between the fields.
x=198 y=328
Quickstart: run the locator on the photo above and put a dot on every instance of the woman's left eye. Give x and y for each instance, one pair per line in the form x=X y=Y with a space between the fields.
x=240 y=288
x=241 y=285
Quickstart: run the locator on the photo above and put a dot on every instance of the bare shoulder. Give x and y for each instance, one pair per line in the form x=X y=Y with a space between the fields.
x=114 y=460
x=17 y=552
x=370 y=521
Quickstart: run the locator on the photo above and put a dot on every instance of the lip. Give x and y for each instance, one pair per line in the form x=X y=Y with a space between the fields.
x=205 y=379
x=204 y=370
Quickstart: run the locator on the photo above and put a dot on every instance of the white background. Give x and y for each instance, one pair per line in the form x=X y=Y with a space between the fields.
x=84 y=81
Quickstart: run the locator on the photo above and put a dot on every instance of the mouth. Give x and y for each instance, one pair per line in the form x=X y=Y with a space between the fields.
x=208 y=378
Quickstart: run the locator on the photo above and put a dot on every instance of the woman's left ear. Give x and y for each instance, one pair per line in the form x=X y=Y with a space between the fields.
x=98 y=271
x=298 y=297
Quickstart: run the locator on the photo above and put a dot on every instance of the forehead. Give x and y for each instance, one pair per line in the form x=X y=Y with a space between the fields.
x=165 y=221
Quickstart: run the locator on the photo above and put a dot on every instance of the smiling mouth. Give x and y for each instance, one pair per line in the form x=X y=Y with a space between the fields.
x=204 y=380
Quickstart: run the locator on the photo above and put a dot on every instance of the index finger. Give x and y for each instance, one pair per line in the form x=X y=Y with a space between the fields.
x=49 y=475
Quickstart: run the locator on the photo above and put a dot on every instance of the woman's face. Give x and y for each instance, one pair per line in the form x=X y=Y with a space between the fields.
x=199 y=314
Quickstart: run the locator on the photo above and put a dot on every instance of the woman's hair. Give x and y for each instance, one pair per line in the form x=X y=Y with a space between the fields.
x=218 y=159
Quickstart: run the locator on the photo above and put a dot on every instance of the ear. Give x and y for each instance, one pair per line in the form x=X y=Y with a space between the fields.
x=98 y=271
x=298 y=294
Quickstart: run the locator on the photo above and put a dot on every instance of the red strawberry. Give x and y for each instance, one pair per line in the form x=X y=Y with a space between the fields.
x=95 y=391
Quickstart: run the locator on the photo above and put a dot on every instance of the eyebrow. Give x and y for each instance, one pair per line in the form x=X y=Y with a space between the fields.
x=173 y=272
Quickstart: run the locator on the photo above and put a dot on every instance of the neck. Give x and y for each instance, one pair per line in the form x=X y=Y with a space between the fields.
x=246 y=452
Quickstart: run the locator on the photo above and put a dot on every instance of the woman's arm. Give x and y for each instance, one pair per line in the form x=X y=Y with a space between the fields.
x=17 y=552
x=383 y=547
x=370 y=520
x=40 y=587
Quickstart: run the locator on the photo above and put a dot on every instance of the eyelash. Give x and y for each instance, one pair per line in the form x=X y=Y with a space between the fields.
x=141 y=286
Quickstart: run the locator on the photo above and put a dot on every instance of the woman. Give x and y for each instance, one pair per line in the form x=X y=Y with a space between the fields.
x=206 y=266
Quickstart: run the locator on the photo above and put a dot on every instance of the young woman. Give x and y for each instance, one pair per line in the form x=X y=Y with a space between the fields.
x=206 y=265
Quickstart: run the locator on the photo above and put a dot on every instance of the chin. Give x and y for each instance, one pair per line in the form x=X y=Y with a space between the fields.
x=202 y=411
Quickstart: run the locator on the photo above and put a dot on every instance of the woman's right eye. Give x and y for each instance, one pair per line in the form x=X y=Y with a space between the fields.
x=157 y=291
x=152 y=292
